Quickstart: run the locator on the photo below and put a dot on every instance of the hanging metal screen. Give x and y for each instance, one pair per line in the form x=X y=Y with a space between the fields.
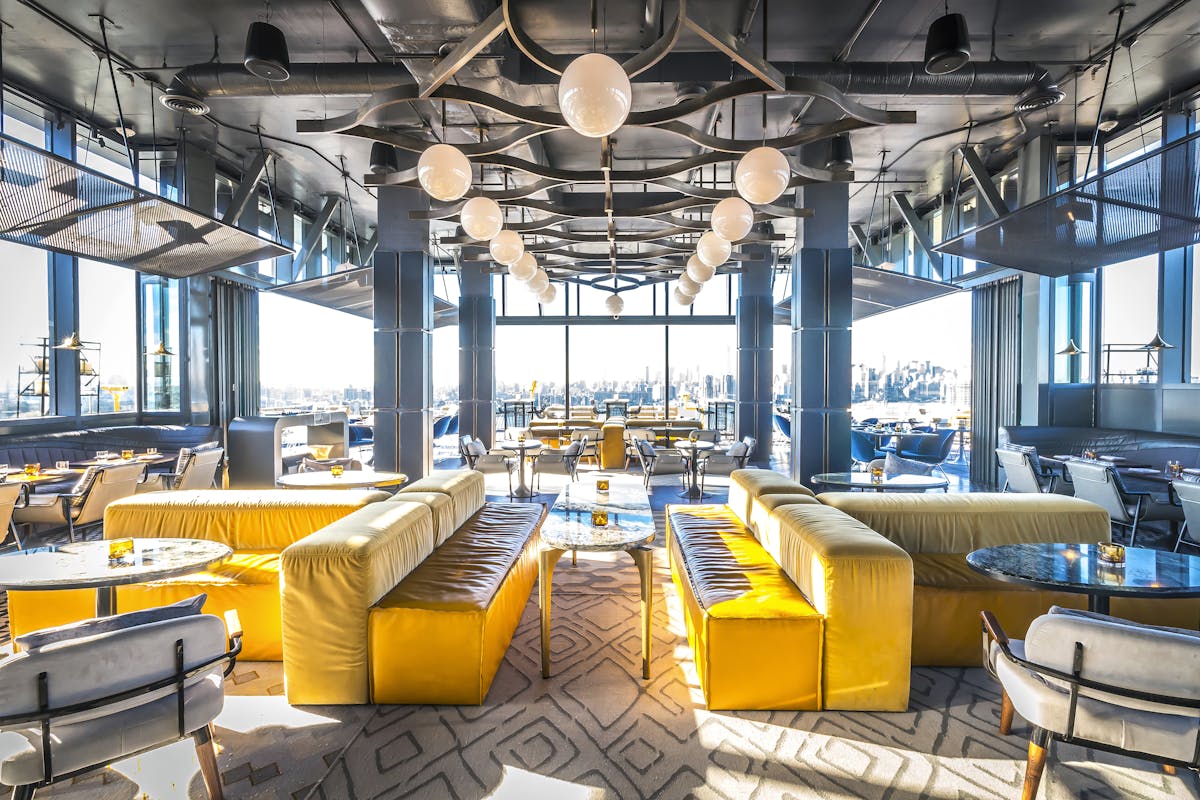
x=1148 y=205
x=995 y=371
x=49 y=202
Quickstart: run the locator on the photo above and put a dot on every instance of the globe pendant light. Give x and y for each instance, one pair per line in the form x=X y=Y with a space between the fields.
x=762 y=175
x=732 y=219
x=689 y=287
x=594 y=95
x=698 y=271
x=266 y=52
x=547 y=295
x=444 y=172
x=524 y=268
x=482 y=218
x=538 y=283
x=681 y=298
x=614 y=304
x=506 y=248
x=712 y=249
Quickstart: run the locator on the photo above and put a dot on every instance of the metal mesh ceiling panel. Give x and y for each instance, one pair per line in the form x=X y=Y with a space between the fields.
x=353 y=291
x=49 y=202
x=878 y=290
x=1146 y=206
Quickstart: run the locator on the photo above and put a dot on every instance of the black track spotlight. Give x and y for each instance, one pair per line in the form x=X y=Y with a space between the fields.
x=383 y=159
x=841 y=155
x=947 y=45
x=266 y=52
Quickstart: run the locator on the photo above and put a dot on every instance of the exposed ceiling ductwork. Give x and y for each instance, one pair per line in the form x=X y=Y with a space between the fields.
x=994 y=78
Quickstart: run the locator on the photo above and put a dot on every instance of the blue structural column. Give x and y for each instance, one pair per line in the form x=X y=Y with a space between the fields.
x=403 y=337
x=476 y=353
x=754 y=362
x=822 y=281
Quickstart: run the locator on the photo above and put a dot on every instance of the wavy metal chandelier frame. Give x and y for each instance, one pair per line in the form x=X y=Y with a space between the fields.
x=665 y=254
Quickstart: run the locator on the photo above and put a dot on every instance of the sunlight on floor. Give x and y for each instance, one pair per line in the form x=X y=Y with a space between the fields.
x=519 y=784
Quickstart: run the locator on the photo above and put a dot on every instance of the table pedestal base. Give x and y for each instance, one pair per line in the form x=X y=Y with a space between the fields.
x=642 y=556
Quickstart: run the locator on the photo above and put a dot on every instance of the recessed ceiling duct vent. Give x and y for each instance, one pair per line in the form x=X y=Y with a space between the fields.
x=1145 y=206
x=52 y=203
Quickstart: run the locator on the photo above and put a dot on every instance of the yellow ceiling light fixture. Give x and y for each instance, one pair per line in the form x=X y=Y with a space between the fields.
x=70 y=342
x=161 y=351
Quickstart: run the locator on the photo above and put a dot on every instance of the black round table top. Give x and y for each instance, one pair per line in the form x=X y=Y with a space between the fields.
x=86 y=565
x=1077 y=568
x=893 y=483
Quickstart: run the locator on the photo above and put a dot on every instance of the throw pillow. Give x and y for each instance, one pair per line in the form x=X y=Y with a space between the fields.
x=895 y=465
x=95 y=627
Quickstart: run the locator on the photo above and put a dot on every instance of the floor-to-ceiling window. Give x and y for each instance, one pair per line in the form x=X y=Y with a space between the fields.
x=1072 y=329
x=24 y=350
x=108 y=330
x=913 y=362
x=1129 y=320
x=1194 y=316
x=160 y=340
x=312 y=357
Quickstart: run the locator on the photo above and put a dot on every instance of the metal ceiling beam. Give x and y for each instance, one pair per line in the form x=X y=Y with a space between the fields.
x=650 y=14
x=914 y=223
x=987 y=187
x=247 y=189
x=313 y=238
x=483 y=35
x=860 y=236
x=368 y=251
x=723 y=40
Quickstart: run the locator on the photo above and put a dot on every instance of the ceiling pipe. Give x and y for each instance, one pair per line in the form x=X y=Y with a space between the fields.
x=991 y=78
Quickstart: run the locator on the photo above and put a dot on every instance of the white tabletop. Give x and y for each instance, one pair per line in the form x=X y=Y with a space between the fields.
x=349 y=479
x=86 y=564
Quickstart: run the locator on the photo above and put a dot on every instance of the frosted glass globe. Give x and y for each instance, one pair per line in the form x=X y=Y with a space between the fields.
x=732 y=219
x=506 y=247
x=712 y=249
x=689 y=286
x=444 y=172
x=547 y=295
x=762 y=175
x=614 y=304
x=594 y=95
x=538 y=283
x=525 y=267
x=482 y=218
x=681 y=298
x=698 y=271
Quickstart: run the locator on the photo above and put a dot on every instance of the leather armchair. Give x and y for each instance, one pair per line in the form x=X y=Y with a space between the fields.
x=12 y=496
x=1020 y=474
x=1074 y=680
x=112 y=695
x=1189 y=498
x=194 y=470
x=1102 y=485
x=659 y=461
x=559 y=462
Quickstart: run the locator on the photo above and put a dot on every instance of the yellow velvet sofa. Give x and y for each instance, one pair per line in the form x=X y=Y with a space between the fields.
x=612 y=436
x=413 y=600
x=790 y=604
x=258 y=525
x=938 y=530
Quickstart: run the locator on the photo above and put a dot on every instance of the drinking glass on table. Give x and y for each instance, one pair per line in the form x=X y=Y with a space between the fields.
x=62 y=466
x=127 y=454
x=32 y=470
x=103 y=455
x=151 y=451
x=1175 y=468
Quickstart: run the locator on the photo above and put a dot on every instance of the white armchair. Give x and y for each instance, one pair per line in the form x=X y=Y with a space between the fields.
x=105 y=689
x=1100 y=682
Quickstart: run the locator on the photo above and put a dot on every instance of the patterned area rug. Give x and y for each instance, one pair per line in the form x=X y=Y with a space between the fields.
x=596 y=729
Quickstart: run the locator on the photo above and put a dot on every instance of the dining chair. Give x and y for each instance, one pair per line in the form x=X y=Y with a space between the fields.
x=1020 y=474
x=659 y=461
x=1073 y=680
x=632 y=437
x=862 y=447
x=464 y=444
x=1102 y=485
x=558 y=462
x=491 y=463
x=195 y=469
x=751 y=445
x=590 y=437
x=725 y=463
x=1189 y=497
x=103 y=690
x=12 y=496
x=83 y=506
x=705 y=435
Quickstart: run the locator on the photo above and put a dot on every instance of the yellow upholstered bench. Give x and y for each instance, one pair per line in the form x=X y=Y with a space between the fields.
x=756 y=639
x=256 y=524
x=439 y=636
x=938 y=530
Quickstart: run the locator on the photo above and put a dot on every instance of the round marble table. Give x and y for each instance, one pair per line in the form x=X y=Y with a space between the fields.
x=629 y=527
x=691 y=451
x=86 y=565
x=349 y=479
x=521 y=448
x=1077 y=568
x=889 y=483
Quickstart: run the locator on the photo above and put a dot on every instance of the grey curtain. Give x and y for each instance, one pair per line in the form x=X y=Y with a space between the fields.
x=995 y=371
x=235 y=325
